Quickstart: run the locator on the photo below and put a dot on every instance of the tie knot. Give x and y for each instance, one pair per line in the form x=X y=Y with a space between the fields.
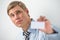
x=26 y=33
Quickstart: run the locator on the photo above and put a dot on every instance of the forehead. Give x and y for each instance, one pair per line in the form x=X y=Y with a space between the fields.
x=15 y=9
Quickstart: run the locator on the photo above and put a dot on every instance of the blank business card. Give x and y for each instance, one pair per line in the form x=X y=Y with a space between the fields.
x=37 y=25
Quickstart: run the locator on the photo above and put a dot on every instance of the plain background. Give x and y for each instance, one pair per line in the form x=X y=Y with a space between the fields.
x=48 y=8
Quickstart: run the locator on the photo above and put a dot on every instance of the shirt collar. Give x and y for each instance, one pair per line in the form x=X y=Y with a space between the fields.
x=31 y=30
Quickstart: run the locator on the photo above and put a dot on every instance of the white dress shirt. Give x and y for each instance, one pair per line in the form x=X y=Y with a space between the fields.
x=38 y=35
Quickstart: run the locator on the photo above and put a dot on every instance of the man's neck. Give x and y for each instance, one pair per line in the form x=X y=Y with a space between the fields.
x=25 y=28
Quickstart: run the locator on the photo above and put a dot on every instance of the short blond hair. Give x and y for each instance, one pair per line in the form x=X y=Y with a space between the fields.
x=15 y=3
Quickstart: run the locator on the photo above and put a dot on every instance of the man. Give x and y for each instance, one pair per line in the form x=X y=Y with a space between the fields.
x=19 y=15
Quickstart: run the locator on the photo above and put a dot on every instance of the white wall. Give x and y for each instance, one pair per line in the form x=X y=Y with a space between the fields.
x=48 y=8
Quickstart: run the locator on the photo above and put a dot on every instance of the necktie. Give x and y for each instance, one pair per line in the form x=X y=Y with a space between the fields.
x=26 y=34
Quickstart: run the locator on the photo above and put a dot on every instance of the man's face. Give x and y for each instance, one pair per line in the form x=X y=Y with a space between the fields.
x=19 y=16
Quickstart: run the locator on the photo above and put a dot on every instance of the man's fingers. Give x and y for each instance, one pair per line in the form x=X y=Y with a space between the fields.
x=40 y=18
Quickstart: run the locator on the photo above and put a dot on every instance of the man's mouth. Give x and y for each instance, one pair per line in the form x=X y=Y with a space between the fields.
x=19 y=22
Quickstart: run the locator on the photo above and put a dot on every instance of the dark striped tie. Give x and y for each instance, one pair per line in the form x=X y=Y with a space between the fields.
x=26 y=34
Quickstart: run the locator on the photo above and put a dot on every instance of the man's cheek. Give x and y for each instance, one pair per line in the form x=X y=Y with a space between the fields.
x=13 y=21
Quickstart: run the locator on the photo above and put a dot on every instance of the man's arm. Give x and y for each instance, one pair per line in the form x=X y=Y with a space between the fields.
x=55 y=35
x=52 y=33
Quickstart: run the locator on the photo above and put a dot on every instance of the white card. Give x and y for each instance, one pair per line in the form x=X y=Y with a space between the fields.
x=37 y=25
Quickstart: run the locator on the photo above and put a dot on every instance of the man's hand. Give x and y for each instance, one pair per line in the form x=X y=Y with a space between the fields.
x=48 y=28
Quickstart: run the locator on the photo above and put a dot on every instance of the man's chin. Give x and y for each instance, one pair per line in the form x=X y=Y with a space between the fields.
x=18 y=25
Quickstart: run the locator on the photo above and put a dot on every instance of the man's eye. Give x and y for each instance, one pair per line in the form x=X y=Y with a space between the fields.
x=18 y=12
x=11 y=15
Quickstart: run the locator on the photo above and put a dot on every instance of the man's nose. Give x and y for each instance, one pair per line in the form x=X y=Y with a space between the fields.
x=16 y=17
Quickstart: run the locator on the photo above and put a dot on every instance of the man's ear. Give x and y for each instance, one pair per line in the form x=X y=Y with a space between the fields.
x=27 y=11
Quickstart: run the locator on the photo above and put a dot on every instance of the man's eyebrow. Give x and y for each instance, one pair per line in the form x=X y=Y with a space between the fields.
x=10 y=14
x=17 y=11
